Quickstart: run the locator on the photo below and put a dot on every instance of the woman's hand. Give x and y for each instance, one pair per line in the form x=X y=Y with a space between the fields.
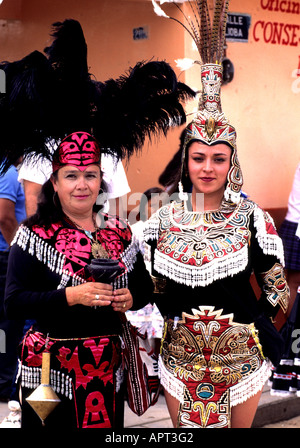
x=90 y=294
x=122 y=300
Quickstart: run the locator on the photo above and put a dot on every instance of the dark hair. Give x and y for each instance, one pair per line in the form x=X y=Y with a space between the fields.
x=170 y=177
x=49 y=208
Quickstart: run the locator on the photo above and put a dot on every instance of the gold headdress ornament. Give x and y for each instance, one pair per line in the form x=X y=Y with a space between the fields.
x=209 y=125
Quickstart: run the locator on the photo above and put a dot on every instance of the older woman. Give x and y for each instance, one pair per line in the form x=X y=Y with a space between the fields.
x=77 y=318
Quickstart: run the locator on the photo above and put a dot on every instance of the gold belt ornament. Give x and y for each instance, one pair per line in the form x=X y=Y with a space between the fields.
x=43 y=399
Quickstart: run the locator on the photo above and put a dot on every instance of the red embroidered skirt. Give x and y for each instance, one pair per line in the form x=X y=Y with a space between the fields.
x=210 y=363
x=84 y=375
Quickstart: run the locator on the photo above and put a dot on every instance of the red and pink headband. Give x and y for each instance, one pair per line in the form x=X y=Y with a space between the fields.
x=79 y=149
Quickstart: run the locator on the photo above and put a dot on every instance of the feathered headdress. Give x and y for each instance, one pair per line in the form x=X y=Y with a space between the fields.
x=50 y=95
x=209 y=124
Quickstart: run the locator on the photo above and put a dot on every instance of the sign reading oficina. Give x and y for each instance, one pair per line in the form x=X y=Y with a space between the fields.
x=237 y=29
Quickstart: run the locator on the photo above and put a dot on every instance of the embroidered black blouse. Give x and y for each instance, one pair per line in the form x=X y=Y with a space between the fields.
x=42 y=262
x=206 y=259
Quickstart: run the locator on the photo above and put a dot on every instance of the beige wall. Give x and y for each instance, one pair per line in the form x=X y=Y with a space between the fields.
x=262 y=101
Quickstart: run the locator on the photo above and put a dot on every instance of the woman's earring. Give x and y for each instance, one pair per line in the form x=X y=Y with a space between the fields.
x=183 y=196
x=231 y=196
x=102 y=197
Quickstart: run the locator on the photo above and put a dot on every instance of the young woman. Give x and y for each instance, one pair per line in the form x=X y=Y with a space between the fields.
x=213 y=366
x=213 y=360
x=77 y=317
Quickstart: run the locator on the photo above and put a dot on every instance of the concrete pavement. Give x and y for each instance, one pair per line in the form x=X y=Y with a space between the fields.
x=272 y=412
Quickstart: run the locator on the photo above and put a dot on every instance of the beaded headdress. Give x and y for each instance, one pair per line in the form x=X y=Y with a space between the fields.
x=79 y=149
x=209 y=125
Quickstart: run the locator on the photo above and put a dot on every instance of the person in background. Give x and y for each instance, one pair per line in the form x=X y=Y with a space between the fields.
x=12 y=212
x=284 y=380
x=290 y=234
x=148 y=319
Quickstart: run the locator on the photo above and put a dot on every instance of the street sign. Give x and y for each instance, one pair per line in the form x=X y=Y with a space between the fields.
x=237 y=28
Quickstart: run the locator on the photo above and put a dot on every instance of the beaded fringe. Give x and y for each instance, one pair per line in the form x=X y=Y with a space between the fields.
x=119 y=378
x=271 y=244
x=232 y=196
x=172 y=385
x=239 y=393
x=201 y=276
x=151 y=229
x=129 y=255
x=26 y=239
x=31 y=378
x=220 y=268
x=121 y=281
x=39 y=248
x=246 y=389
x=54 y=260
x=191 y=275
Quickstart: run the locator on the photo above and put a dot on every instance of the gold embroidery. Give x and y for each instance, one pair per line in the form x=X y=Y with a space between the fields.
x=212 y=357
x=204 y=411
x=191 y=350
x=275 y=286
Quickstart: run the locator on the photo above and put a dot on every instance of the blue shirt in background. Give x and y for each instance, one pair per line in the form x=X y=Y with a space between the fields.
x=11 y=188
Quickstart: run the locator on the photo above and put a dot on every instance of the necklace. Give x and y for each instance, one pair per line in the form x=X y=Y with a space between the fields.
x=98 y=250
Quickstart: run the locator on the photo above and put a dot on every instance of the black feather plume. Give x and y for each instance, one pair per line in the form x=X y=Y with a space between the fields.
x=68 y=52
x=51 y=95
x=143 y=103
x=23 y=111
